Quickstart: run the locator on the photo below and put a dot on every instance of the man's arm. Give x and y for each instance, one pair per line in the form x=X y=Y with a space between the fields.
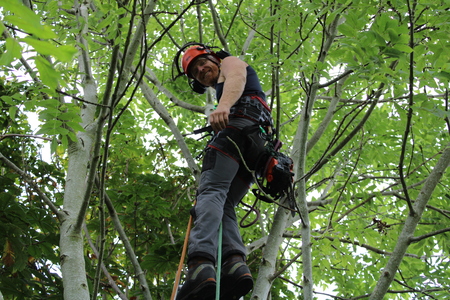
x=234 y=75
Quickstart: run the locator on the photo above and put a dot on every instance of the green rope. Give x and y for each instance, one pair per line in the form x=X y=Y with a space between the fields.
x=219 y=263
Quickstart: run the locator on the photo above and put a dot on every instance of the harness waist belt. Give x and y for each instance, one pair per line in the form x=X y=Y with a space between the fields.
x=252 y=107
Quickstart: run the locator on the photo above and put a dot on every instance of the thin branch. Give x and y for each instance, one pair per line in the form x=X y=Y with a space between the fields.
x=328 y=116
x=447 y=119
x=238 y=6
x=101 y=207
x=111 y=281
x=80 y=99
x=151 y=76
x=349 y=137
x=286 y=266
x=129 y=54
x=368 y=247
x=410 y=109
x=386 y=100
x=161 y=110
x=140 y=274
x=343 y=75
x=430 y=234
x=341 y=192
x=34 y=185
x=217 y=26
x=4 y=136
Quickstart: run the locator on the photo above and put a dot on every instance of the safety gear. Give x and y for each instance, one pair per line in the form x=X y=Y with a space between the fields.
x=252 y=107
x=193 y=51
x=273 y=168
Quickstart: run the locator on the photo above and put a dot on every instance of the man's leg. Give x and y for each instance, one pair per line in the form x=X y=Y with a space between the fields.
x=236 y=278
x=217 y=174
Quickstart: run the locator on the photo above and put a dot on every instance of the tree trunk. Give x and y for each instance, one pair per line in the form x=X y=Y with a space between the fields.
x=71 y=241
x=79 y=156
x=404 y=240
x=268 y=263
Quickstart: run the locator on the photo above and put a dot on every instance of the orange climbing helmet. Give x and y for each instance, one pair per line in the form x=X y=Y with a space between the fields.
x=192 y=53
x=192 y=50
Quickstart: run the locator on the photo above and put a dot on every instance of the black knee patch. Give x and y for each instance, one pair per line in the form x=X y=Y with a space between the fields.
x=209 y=161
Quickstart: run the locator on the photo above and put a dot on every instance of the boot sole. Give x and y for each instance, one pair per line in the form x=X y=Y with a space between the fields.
x=205 y=291
x=241 y=288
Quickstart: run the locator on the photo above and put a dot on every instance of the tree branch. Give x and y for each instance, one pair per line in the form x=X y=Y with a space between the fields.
x=161 y=110
x=32 y=183
x=410 y=109
x=140 y=274
x=338 y=78
x=410 y=225
x=4 y=136
x=370 y=248
x=111 y=281
x=217 y=26
x=419 y=238
x=150 y=75
x=328 y=117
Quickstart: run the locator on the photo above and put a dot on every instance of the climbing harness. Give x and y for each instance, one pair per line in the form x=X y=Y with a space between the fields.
x=273 y=169
x=252 y=107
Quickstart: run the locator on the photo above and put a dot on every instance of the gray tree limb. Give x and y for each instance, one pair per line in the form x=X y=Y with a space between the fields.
x=406 y=237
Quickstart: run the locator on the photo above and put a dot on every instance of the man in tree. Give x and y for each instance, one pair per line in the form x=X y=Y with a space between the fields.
x=224 y=179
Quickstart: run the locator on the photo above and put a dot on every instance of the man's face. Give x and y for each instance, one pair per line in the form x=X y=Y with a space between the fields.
x=204 y=71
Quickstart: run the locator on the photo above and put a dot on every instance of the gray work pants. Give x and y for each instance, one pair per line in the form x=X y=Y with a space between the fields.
x=223 y=183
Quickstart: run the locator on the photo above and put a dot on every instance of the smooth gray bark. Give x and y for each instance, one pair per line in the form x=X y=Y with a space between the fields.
x=407 y=235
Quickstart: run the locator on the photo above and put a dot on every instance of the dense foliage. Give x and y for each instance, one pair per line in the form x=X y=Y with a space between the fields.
x=359 y=91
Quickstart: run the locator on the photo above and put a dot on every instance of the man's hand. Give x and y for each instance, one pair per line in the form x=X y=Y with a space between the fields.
x=219 y=118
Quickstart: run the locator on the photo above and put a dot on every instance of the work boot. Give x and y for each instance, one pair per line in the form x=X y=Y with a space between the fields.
x=200 y=283
x=236 y=280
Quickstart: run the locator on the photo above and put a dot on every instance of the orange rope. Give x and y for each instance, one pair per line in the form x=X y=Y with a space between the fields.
x=183 y=255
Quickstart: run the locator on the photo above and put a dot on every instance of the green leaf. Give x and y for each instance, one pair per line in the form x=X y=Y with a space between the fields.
x=7 y=99
x=42 y=47
x=26 y=19
x=64 y=141
x=54 y=145
x=391 y=52
x=48 y=74
x=13 y=51
x=51 y=127
x=69 y=115
x=107 y=21
x=75 y=126
x=347 y=30
x=12 y=111
x=63 y=53
x=403 y=48
x=443 y=75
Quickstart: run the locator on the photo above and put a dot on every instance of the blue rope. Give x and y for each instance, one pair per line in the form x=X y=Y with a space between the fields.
x=219 y=263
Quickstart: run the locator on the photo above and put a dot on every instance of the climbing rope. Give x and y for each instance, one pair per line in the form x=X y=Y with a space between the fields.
x=183 y=256
x=180 y=265
x=219 y=263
